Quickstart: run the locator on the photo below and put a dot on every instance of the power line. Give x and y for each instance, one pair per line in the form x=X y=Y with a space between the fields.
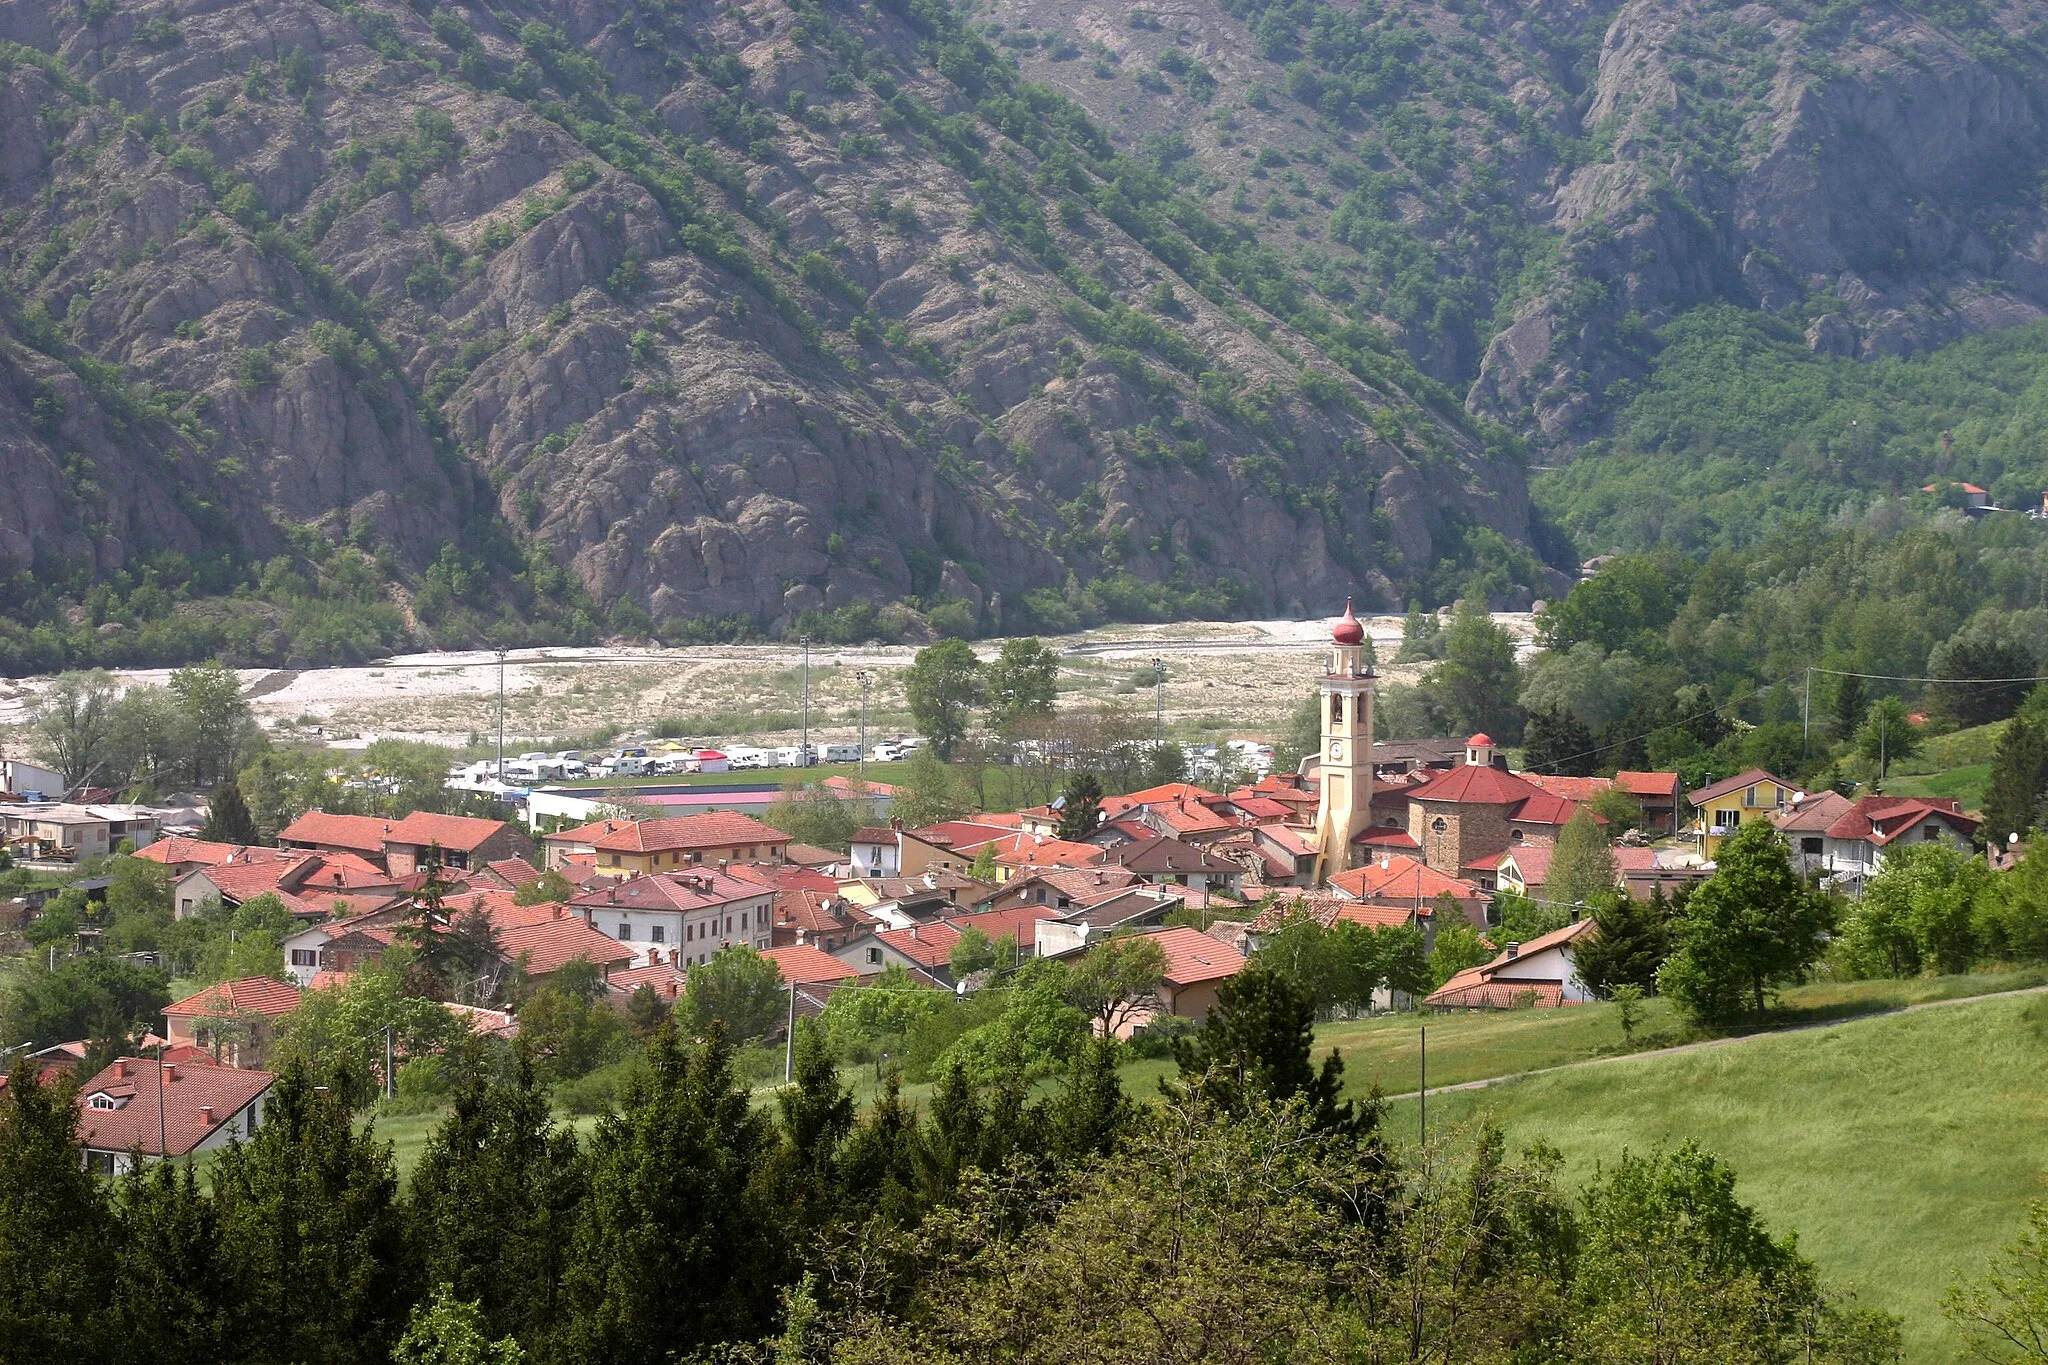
x=1901 y=677
x=1668 y=725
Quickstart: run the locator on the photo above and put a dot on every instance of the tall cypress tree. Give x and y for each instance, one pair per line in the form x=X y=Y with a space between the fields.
x=56 y=1231
x=228 y=820
x=2015 y=800
x=680 y=1240
x=817 y=1115
x=1089 y=1117
x=309 y=1215
x=1850 y=706
x=179 y=1296
x=495 y=1199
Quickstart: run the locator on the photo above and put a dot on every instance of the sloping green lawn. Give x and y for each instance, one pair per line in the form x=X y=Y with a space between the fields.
x=1966 y=785
x=1901 y=1149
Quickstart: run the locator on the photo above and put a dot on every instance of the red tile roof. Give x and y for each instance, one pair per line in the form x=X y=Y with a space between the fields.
x=1579 y=789
x=1474 y=784
x=176 y=848
x=667 y=979
x=1882 y=820
x=1019 y=920
x=1480 y=987
x=1162 y=856
x=1401 y=880
x=1382 y=837
x=458 y=833
x=1548 y=808
x=803 y=965
x=1193 y=957
x=552 y=944
x=188 y=1094
x=1168 y=792
x=1262 y=807
x=1188 y=817
x=810 y=855
x=516 y=871
x=356 y=833
x=928 y=945
x=696 y=889
x=1813 y=815
x=1042 y=850
x=250 y=994
x=1648 y=784
x=713 y=829
x=807 y=911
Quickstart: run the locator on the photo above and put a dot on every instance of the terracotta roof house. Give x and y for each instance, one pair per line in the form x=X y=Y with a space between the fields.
x=1540 y=971
x=815 y=974
x=1805 y=824
x=1019 y=924
x=540 y=950
x=892 y=851
x=620 y=848
x=923 y=950
x=461 y=842
x=1661 y=795
x=179 y=855
x=811 y=856
x=1164 y=860
x=1404 y=882
x=1196 y=966
x=1189 y=820
x=820 y=919
x=1855 y=845
x=1134 y=907
x=1526 y=870
x=696 y=913
x=318 y=832
x=137 y=1105
x=1021 y=853
x=240 y=1017
x=1059 y=888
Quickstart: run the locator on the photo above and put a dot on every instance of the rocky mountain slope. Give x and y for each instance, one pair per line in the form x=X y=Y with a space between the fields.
x=1526 y=191
x=741 y=311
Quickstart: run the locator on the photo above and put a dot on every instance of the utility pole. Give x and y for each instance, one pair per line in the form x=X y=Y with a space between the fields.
x=501 y=716
x=804 y=743
x=1422 y=1094
x=1159 y=697
x=865 y=678
x=1806 y=717
x=389 y=1089
x=789 y=1040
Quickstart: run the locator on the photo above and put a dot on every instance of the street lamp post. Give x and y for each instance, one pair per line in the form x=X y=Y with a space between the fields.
x=804 y=740
x=865 y=678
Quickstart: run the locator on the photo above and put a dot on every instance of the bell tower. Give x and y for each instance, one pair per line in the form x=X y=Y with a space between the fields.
x=1345 y=808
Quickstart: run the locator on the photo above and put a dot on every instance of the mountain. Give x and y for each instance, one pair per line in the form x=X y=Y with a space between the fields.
x=702 y=316
x=331 y=326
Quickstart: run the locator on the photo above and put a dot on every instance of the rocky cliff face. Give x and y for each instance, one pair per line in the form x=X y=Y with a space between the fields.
x=746 y=309
x=1524 y=192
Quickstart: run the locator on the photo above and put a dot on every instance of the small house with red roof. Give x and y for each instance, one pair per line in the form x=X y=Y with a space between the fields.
x=166 y=1109
x=621 y=848
x=1540 y=972
x=543 y=948
x=1404 y=883
x=1855 y=846
x=923 y=950
x=1727 y=805
x=695 y=912
x=238 y=1018
x=1196 y=967
x=893 y=851
x=1661 y=796
x=1163 y=861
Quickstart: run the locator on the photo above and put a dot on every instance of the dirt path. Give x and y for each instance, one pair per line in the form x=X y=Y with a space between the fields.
x=1719 y=1042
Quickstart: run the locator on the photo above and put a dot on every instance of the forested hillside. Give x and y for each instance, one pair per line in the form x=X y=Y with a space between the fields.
x=331 y=326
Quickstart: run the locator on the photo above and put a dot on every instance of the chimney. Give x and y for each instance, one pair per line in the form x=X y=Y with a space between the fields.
x=170 y=1071
x=121 y=1068
x=206 y=1113
x=1514 y=950
x=896 y=822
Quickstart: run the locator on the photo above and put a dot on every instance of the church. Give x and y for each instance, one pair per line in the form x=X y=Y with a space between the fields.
x=1344 y=805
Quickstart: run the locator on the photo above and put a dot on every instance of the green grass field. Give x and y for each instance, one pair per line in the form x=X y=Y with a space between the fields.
x=1966 y=784
x=1901 y=1149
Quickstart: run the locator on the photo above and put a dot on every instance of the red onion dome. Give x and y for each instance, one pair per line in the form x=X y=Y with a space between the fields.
x=1348 y=631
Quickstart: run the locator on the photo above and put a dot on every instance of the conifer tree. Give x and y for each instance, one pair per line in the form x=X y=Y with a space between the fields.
x=2017 y=796
x=1582 y=866
x=1081 y=807
x=310 y=1220
x=1091 y=1113
x=1850 y=706
x=680 y=1245
x=56 y=1231
x=179 y=1297
x=817 y=1115
x=881 y=1157
x=1556 y=743
x=1629 y=943
x=1255 y=1043
x=228 y=820
x=495 y=1197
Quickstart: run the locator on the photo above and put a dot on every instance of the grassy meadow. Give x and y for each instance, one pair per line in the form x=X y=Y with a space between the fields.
x=1902 y=1149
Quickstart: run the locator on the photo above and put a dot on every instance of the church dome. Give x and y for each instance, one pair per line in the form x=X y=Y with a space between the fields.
x=1348 y=631
x=1478 y=740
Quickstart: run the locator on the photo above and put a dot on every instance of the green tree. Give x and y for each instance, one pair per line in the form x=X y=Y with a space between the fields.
x=221 y=729
x=1303 y=735
x=1476 y=683
x=1850 y=708
x=549 y=887
x=2005 y=1312
x=137 y=886
x=1021 y=681
x=680 y=1245
x=85 y=997
x=495 y=1196
x=1981 y=679
x=816 y=1117
x=309 y=1216
x=983 y=869
x=1080 y=807
x=927 y=792
x=1918 y=913
x=180 y=1300
x=943 y=686
x=1091 y=1114
x=1422 y=636
x=1747 y=929
x=1624 y=606
x=2011 y=916
x=974 y=952
x=340 y=1031
x=1455 y=947
x=1586 y=683
x=446 y=1331
x=227 y=817
x=1254 y=1046
x=2017 y=796
x=571 y=1029
x=1582 y=865
x=739 y=989
x=72 y=730
x=1887 y=735
x=1554 y=742
x=813 y=813
x=1630 y=940
x=1628 y=1009
x=1117 y=978
x=57 y=1267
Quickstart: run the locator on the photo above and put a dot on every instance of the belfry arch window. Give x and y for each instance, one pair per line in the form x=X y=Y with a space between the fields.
x=1336 y=708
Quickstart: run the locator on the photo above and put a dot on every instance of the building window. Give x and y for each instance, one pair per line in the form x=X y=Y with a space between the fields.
x=689 y=933
x=305 y=957
x=1514 y=836
x=625 y=931
x=1439 y=825
x=874 y=955
x=1810 y=846
x=1336 y=708
x=615 y=860
x=658 y=934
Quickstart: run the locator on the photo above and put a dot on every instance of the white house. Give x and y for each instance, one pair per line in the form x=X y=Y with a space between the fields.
x=1541 y=971
x=1855 y=845
x=681 y=917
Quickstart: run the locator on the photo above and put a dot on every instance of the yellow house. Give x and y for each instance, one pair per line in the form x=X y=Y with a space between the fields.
x=1727 y=805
